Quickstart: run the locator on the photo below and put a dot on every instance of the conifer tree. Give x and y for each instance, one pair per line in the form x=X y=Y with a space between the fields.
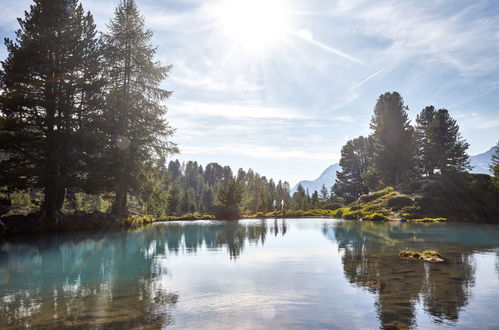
x=51 y=99
x=494 y=166
x=423 y=146
x=324 y=194
x=446 y=148
x=393 y=140
x=440 y=146
x=138 y=130
x=355 y=160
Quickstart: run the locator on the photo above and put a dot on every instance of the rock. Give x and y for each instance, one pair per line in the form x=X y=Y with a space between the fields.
x=427 y=255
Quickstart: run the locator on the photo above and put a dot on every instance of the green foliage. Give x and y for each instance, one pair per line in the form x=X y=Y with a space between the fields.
x=135 y=115
x=440 y=145
x=429 y=220
x=140 y=220
x=375 y=217
x=50 y=99
x=494 y=166
x=399 y=202
x=356 y=156
x=393 y=140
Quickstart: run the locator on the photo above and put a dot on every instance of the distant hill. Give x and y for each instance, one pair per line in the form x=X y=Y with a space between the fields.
x=479 y=162
x=327 y=178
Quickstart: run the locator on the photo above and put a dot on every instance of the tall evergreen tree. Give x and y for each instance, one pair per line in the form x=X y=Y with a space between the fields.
x=138 y=129
x=355 y=160
x=51 y=99
x=446 y=148
x=393 y=138
x=324 y=194
x=494 y=166
x=423 y=121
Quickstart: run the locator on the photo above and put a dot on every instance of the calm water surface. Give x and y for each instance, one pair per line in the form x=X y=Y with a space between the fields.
x=293 y=273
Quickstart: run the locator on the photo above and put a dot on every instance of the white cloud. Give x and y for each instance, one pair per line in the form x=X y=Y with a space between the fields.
x=258 y=151
x=234 y=110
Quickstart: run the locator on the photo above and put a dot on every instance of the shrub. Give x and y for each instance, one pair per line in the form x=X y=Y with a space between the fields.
x=352 y=215
x=375 y=195
x=375 y=217
x=399 y=202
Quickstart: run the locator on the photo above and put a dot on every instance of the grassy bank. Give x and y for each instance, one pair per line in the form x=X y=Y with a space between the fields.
x=386 y=205
x=139 y=220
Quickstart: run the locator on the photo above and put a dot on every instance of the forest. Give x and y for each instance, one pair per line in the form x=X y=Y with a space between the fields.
x=84 y=128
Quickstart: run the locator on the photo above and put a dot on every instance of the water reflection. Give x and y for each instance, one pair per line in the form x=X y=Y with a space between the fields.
x=116 y=280
x=112 y=281
x=170 y=274
x=370 y=260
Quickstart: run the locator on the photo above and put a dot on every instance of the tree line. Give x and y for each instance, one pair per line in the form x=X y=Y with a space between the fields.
x=397 y=151
x=82 y=111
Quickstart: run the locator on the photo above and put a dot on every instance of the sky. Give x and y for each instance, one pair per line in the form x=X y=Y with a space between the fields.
x=279 y=86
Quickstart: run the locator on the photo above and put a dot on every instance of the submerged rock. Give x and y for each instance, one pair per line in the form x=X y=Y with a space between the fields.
x=427 y=255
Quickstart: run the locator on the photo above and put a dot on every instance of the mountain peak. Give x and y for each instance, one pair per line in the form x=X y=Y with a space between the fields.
x=327 y=178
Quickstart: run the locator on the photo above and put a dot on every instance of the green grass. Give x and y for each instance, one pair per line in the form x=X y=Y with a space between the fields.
x=138 y=220
x=383 y=205
x=428 y=220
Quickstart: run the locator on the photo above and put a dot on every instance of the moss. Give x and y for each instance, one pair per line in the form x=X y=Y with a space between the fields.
x=428 y=220
x=426 y=255
x=375 y=217
x=139 y=220
x=399 y=202
x=353 y=215
x=375 y=195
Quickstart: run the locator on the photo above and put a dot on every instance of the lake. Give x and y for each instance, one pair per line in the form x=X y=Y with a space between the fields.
x=284 y=273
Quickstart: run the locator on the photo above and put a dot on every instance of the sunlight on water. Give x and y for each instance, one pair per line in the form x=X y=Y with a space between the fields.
x=294 y=273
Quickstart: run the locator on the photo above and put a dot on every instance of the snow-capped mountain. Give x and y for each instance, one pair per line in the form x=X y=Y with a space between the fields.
x=327 y=178
x=480 y=163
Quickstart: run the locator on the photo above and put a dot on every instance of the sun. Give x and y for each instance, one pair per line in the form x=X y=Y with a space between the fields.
x=253 y=24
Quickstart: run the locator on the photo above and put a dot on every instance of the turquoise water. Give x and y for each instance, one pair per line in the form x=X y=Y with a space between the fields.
x=292 y=273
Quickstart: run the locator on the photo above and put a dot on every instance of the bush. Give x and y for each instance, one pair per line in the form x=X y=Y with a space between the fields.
x=375 y=217
x=399 y=202
x=375 y=195
x=352 y=215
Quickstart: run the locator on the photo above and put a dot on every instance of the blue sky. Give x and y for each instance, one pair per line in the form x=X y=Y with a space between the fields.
x=281 y=85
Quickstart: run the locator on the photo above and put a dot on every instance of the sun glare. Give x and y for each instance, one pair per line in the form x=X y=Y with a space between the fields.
x=254 y=24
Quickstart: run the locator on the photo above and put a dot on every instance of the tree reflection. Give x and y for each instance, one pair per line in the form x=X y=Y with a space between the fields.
x=116 y=280
x=370 y=260
x=112 y=281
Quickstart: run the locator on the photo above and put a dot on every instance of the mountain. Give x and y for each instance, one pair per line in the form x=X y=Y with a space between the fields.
x=481 y=162
x=327 y=178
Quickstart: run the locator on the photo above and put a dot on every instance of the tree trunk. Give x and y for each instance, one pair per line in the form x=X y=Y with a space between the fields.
x=120 y=203
x=53 y=201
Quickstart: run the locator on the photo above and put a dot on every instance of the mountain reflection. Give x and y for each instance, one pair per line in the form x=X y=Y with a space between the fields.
x=370 y=260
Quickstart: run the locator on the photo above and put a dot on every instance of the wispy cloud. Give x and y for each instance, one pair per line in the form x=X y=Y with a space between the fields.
x=367 y=79
x=258 y=151
x=309 y=37
x=247 y=110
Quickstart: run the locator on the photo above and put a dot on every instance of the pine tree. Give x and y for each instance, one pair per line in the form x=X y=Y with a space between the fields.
x=393 y=137
x=423 y=121
x=51 y=99
x=446 y=148
x=356 y=157
x=173 y=199
x=324 y=194
x=494 y=166
x=138 y=130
